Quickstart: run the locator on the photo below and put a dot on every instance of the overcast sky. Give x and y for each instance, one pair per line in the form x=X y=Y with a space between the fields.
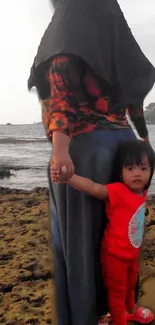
x=22 y=23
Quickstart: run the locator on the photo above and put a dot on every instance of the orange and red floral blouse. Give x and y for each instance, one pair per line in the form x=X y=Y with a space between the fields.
x=78 y=102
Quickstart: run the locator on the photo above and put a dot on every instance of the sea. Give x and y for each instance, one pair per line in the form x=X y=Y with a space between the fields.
x=24 y=149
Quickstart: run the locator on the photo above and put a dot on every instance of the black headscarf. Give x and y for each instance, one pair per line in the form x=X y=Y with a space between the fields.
x=97 y=32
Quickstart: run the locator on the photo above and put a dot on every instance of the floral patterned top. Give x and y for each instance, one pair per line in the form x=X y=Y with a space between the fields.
x=79 y=102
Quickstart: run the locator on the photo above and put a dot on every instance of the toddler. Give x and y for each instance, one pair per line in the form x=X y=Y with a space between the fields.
x=125 y=206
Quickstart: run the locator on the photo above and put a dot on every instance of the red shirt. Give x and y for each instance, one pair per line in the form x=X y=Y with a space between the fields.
x=126 y=217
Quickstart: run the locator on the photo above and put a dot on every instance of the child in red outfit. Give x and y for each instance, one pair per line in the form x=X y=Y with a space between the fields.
x=125 y=205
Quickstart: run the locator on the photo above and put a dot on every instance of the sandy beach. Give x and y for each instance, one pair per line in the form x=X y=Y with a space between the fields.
x=26 y=262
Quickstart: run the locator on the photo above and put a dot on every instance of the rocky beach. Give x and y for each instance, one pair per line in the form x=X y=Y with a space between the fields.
x=26 y=262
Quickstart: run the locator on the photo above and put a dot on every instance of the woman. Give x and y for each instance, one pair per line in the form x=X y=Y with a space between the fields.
x=88 y=71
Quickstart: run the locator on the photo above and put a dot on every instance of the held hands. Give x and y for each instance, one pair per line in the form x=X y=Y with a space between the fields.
x=61 y=166
x=54 y=174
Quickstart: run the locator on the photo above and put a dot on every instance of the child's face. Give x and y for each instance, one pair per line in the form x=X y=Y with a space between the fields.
x=136 y=177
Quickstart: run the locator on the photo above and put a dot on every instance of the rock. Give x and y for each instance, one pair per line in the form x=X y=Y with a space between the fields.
x=149 y=114
x=27 y=293
x=26 y=263
x=147 y=293
x=148 y=263
x=4 y=173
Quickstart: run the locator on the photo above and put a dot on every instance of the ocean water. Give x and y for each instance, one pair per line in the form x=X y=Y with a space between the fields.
x=25 y=150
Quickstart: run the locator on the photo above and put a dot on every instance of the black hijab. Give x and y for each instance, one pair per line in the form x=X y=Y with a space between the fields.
x=97 y=32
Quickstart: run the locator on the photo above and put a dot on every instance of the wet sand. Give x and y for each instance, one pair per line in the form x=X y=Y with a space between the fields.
x=26 y=262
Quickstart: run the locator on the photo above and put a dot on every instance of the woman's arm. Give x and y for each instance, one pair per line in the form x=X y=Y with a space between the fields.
x=86 y=185
x=136 y=115
x=59 y=138
x=60 y=111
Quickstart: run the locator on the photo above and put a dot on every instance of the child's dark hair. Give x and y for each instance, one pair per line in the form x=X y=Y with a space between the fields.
x=130 y=153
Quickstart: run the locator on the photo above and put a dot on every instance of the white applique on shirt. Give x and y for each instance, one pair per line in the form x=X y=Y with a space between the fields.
x=136 y=227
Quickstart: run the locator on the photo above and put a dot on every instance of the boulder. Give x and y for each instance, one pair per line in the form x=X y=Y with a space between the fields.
x=4 y=173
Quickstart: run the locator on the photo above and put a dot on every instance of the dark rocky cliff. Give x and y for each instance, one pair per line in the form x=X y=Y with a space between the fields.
x=150 y=114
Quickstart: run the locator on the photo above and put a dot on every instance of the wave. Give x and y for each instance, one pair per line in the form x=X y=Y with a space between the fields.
x=21 y=140
x=7 y=167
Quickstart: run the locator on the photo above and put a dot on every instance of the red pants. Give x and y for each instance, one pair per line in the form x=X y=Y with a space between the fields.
x=120 y=280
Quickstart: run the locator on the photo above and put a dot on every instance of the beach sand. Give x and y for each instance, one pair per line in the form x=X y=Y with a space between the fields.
x=26 y=261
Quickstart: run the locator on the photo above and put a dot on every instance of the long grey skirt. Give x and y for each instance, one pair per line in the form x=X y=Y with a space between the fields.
x=78 y=222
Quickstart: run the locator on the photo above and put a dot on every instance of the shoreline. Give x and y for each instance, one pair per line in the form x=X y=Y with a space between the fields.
x=8 y=190
x=26 y=262
x=5 y=190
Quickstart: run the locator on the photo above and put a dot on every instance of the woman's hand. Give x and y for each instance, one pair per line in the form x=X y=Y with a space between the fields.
x=146 y=139
x=62 y=164
x=54 y=174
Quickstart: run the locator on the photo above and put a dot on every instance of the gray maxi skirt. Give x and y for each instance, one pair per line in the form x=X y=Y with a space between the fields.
x=78 y=222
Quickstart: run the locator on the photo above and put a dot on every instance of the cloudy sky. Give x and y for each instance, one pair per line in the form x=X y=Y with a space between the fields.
x=22 y=23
